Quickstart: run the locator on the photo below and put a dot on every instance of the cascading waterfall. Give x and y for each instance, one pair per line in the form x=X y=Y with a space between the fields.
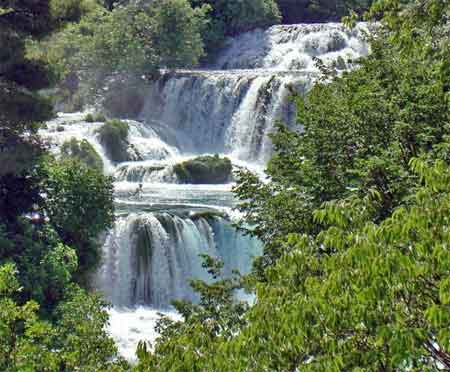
x=145 y=172
x=229 y=112
x=294 y=47
x=232 y=107
x=229 y=108
x=149 y=258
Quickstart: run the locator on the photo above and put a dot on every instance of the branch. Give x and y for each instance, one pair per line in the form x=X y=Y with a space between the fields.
x=438 y=354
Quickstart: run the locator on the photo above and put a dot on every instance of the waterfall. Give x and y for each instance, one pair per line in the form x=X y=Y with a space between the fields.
x=231 y=108
x=149 y=258
x=293 y=47
x=230 y=113
x=149 y=172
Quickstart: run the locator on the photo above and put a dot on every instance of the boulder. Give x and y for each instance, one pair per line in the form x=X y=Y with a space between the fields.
x=205 y=170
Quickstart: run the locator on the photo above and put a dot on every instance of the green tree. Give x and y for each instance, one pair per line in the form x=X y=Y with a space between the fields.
x=300 y=11
x=82 y=151
x=45 y=264
x=176 y=32
x=43 y=241
x=79 y=203
x=231 y=17
x=360 y=296
x=354 y=218
x=75 y=341
x=20 y=78
x=130 y=39
x=358 y=132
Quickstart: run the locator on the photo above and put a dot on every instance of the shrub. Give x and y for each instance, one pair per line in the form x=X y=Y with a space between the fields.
x=231 y=17
x=113 y=136
x=80 y=205
x=95 y=118
x=204 y=170
x=89 y=118
x=299 y=11
x=99 y=117
x=82 y=151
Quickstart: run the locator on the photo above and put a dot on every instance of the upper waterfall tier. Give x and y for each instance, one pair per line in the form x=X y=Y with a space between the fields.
x=232 y=106
x=292 y=47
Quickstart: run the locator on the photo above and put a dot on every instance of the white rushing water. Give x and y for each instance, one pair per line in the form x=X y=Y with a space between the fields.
x=149 y=258
x=129 y=326
x=230 y=109
x=294 y=47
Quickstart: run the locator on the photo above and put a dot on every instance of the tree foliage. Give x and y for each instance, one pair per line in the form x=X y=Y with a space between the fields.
x=359 y=296
x=75 y=341
x=358 y=132
x=79 y=204
x=20 y=77
x=307 y=11
x=50 y=215
x=131 y=38
x=231 y=17
x=82 y=151
x=354 y=219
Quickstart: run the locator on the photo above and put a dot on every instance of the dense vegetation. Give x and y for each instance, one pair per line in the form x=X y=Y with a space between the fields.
x=354 y=219
x=113 y=136
x=355 y=271
x=307 y=11
x=230 y=17
x=50 y=216
x=82 y=151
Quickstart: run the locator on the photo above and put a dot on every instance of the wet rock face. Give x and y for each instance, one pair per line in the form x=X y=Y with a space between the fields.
x=124 y=98
x=205 y=170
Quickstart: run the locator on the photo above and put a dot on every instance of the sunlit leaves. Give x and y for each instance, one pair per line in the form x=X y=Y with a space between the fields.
x=76 y=339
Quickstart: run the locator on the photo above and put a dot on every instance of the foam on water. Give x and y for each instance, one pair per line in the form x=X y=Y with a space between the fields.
x=293 y=47
x=130 y=326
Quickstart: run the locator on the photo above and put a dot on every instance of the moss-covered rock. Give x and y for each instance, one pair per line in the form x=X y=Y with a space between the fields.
x=113 y=136
x=208 y=215
x=82 y=151
x=89 y=118
x=205 y=170
x=94 y=118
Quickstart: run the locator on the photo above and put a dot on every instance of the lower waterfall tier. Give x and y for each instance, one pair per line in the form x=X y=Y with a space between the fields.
x=150 y=257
